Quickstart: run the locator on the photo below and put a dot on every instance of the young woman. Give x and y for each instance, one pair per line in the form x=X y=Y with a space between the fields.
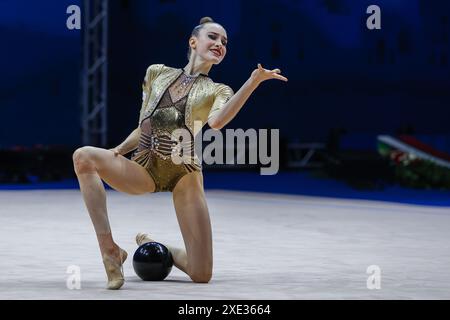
x=173 y=99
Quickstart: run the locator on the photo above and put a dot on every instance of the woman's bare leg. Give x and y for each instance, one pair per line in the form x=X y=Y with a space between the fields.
x=92 y=165
x=193 y=217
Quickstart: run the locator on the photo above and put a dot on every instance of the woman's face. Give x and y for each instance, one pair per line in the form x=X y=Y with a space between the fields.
x=211 y=43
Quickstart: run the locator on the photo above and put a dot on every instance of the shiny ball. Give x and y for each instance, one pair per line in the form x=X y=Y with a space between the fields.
x=152 y=261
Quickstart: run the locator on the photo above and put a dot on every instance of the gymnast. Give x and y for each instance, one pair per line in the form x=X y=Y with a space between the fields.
x=172 y=99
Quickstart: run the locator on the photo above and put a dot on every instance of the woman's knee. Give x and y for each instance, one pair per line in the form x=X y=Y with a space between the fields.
x=83 y=159
x=201 y=276
x=200 y=272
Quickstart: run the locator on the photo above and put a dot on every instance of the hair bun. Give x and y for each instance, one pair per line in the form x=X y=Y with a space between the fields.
x=205 y=20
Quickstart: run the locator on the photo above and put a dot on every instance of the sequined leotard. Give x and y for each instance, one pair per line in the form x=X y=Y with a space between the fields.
x=158 y=143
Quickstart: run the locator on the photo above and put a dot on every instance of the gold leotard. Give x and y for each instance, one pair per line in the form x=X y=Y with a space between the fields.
x=158 y=142
x=170 y=101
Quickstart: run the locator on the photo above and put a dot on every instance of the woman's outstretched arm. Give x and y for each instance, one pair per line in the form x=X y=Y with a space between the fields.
x=129 y=144
x=232 y=107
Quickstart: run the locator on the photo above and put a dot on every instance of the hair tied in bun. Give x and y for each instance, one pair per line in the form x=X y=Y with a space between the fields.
x=206 y=20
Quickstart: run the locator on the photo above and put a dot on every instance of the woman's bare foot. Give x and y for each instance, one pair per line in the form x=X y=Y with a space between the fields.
x=113 y=261
x=142 y=238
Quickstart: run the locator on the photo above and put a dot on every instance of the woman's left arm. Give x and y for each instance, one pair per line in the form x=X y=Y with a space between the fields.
x=232 y=107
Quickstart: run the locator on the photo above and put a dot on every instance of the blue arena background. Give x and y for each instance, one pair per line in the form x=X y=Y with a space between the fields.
x=342 y=77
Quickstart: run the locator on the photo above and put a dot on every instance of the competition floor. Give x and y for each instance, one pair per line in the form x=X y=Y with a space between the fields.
x=266 y=246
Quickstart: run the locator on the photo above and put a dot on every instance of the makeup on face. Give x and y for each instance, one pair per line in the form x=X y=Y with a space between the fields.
x=217 y=52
